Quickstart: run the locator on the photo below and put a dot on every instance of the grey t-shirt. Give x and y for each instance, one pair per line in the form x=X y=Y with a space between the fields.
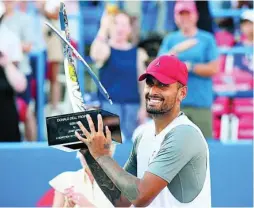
x=181 y=161
x=20 y=24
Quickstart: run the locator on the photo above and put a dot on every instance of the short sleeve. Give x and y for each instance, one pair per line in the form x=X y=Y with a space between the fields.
x=10 y=44
x=28 y=34
x=62 y=181
x=178 y=148
x=212 y=52
x=15 y=53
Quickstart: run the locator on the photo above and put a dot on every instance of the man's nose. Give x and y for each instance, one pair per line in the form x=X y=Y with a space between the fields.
x=153 y=90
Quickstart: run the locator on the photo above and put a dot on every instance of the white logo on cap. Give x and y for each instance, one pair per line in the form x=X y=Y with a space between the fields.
x=158 y=64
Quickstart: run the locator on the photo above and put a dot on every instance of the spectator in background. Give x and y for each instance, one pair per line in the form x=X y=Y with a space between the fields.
x=120 y=64
x=225 y=23
x=20 y=23
x=37 y=20
x=78 y=188
x=245 y=61
x=50 y=9
x=33 y=9
x=205 y=21
x=11 y=81
x=244 y=4
x=197 y=48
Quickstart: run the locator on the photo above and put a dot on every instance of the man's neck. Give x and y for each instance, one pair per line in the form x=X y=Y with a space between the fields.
x=161 y=122
x=190 y=32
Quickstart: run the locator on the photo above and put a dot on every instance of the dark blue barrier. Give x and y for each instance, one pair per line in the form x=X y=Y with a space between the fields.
x=26 y=169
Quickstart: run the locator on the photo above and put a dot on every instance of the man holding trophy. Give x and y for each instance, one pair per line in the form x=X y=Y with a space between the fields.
x=169 y=163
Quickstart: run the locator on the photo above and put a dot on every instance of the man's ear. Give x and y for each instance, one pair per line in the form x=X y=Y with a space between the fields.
x=183 y=93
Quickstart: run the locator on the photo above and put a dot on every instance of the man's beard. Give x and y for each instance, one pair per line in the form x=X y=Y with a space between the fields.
x=158 y=112
x=164 y=109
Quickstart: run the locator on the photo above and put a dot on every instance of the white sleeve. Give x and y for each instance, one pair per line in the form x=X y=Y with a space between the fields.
x=15 y=50
x=62 y=181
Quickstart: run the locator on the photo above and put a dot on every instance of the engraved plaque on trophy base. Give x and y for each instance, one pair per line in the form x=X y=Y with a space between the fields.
x=61 y=129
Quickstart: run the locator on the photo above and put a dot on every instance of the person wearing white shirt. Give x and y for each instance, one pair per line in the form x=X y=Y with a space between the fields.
x=20 y=24
x=78 y=188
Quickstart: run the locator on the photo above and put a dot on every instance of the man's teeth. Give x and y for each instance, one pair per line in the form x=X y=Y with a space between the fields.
x=154 y=100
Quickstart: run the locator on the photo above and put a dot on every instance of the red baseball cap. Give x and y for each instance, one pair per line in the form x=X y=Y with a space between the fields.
x=189 y=6
x=167 y=70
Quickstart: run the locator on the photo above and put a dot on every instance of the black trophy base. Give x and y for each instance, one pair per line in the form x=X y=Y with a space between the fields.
x=61 y=129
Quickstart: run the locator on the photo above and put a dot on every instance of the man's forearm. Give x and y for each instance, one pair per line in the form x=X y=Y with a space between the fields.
x=206 y=70
x=125 y=182
x=105 y=183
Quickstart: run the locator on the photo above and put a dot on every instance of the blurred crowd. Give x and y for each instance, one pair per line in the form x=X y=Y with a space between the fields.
x=119 y=46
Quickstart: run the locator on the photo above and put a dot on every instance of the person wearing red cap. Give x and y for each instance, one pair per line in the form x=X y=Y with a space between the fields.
x=169 y=162
x=197 y=48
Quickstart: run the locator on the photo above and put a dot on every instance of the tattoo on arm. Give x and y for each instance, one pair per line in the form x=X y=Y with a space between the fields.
x=125 y=182
x=107 y=186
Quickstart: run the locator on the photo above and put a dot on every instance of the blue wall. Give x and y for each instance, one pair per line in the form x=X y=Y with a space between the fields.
x=26 y=169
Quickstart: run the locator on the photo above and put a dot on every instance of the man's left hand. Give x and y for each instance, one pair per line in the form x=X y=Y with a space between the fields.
x=97 y=143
